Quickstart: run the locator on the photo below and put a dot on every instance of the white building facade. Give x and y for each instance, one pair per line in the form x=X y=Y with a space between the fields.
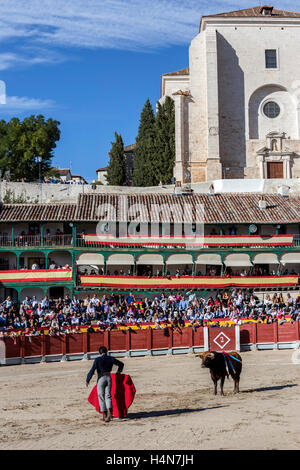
x=237 y=105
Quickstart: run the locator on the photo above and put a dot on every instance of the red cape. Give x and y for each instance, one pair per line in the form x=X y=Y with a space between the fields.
x=122 y=394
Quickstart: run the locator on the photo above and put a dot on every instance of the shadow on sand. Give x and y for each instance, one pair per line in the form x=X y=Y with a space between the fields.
x=155 y=414
x=269 y=389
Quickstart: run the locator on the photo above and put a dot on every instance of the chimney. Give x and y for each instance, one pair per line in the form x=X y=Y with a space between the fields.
x=283 y=191
x=262 y=203
x=211 y=190
x=266 y=10
x=177 y=189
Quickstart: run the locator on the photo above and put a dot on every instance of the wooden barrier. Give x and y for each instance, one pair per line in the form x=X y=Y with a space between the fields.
x=152 y=341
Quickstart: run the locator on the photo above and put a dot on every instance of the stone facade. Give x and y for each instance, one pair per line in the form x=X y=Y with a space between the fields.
x=231 y=107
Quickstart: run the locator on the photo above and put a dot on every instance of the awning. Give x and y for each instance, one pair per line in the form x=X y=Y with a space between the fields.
x=237 y=259
x=207 y=258
x=90 y=258
x=150 y=259
x=120 y=259
x=265 y=258
x=290 y=258
x=180 y=259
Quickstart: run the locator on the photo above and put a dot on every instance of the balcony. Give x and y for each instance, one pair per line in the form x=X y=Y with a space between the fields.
x=186 y=282
x=30 y=241
x=192 y=242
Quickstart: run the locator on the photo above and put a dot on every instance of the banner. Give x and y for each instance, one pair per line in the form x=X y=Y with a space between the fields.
x=186 y=281
x=35 y=275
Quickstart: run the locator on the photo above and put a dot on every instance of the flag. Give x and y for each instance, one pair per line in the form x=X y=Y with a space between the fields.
x=122 y=394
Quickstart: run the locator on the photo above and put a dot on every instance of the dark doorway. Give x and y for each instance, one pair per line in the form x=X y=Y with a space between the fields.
x=56 y=292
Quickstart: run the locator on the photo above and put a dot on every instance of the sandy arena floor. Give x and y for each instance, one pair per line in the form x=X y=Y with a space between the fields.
x=44 y=406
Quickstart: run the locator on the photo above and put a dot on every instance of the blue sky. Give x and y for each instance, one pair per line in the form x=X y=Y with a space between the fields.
x=91 y=64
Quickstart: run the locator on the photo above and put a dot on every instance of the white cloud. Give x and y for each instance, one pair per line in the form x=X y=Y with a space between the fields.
x=22 y=103
x=10 y=59
x=121 y=24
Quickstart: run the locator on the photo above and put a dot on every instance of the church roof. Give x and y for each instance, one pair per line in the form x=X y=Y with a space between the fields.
x=256 y=12
x=185 y=71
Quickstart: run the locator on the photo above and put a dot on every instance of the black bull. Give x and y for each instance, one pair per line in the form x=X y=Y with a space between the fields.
x=220 y=365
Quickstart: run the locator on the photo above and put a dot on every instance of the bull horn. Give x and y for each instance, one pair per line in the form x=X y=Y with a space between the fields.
x=211 y=354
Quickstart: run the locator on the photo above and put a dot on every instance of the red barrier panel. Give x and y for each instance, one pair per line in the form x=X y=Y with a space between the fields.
x=118 y=340
x=13 y=347
x=265 y=333
x=199 y=337
x=159 y=340
x=138 y=339
x=94 y=341
x=53 y=345
x=183 y=338
x=32 y=346
x=221 y=339
x=288 y=332
x=74 y=343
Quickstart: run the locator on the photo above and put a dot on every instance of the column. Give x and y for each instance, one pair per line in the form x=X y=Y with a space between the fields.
x=42 y=234
x=18 y=260
x=193 y=270
x=74 y=235
x=13 y=235
x=104 y=267
x=179 y=137
x=222 y=267
x=213 y=165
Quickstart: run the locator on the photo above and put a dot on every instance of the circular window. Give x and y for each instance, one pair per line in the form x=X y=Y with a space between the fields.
x=271 y=109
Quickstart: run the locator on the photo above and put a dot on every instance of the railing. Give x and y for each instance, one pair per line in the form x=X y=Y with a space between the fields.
x=94 y=241
x=160 y=282
x=169 y=242
x=36 y=240
x=296 y=240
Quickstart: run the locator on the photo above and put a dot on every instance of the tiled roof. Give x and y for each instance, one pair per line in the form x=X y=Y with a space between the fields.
x=257 y=12
x=129 y=148
x=63 y=171
x=185 y=71
x=221 y=208
x=37 y=212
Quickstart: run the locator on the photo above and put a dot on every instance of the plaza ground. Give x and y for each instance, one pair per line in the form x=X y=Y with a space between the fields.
x=44 y=406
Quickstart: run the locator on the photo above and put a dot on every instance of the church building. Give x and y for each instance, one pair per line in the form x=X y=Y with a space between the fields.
x=237 y=105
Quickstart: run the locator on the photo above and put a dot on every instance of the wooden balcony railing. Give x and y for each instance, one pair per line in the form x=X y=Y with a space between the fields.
x=36 y=241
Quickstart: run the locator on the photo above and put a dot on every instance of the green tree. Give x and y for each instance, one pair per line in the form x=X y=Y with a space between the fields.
x=21 y=142
x=145 y=164
x=165 y=140
x=116 y=171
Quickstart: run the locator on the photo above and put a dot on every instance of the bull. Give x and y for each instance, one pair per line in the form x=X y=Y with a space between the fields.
x=222 y=365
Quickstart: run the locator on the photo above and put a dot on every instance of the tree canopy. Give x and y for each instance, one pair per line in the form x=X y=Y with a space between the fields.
x=116 y=171
x=154 y=155
x=22 y=142
x=165 y=140
x=144 y=171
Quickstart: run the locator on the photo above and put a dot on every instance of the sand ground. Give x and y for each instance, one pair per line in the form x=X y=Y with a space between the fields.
x=44 y=406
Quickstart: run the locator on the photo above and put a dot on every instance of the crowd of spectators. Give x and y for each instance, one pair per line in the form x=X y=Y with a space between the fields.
x=101 y=312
